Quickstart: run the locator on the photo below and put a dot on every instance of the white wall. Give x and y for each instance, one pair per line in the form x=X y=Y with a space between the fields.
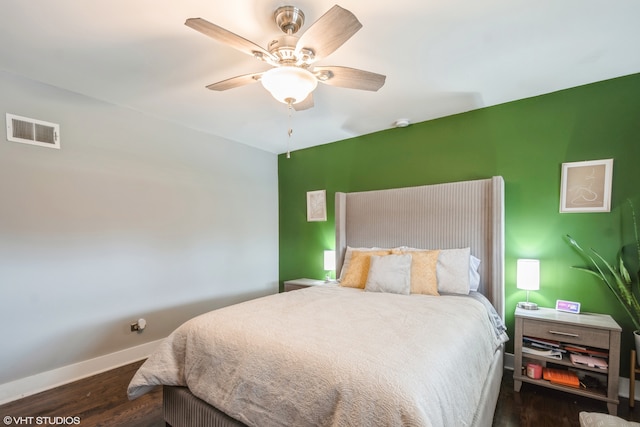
x=133 y=217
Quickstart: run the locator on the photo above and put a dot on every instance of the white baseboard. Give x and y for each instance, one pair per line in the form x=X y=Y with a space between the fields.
x=623 y=383
x=623 y=387
x=28 y=386
x=508 y=361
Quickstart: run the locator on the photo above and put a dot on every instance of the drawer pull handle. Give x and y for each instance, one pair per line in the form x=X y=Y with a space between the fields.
x=566 y=334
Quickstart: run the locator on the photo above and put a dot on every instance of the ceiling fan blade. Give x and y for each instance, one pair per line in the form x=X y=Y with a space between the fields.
x=305 y=104
x=329 y=32
x=350 y=78
x=235 y=82
x=227 y=37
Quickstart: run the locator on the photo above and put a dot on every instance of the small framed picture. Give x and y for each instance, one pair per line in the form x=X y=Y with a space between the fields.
x=316 y=205
x=586 y=186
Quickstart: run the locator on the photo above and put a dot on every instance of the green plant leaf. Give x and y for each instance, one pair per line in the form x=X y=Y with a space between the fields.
x=635 y=230
x=621 y=286
x=622 y=292
x=573 y=242
x=614 y=279
x=623 y=270
x=588 y=270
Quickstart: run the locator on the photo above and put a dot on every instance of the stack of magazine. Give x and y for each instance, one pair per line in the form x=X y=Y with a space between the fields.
x=578 y=355
x=586 y=356
x=541 y=347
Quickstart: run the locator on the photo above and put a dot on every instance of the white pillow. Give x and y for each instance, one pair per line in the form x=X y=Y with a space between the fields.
x=474 y=275
x=453 y=270
x=389 y=273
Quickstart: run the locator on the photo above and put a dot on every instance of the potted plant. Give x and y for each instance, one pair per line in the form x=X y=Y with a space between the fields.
x=617 y=277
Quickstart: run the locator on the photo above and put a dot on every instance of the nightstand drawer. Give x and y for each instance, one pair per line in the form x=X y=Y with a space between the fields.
x=566 y=333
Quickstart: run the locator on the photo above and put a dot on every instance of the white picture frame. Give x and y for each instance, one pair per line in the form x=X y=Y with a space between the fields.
x=316 y=205
x=586 y=186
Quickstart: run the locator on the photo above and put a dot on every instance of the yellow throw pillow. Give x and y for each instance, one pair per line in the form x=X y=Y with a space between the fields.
x=358 y=270
x=424 y=278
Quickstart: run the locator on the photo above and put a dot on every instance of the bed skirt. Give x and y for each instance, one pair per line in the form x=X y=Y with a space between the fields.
x=183 y=409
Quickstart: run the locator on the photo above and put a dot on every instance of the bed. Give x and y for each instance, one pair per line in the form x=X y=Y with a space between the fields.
x=343 y=355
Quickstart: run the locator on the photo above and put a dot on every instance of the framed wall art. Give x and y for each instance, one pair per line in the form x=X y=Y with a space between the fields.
x=586 y=186
x=316 y=205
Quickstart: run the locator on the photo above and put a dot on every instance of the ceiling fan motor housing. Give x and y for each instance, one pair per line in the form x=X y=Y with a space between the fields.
x=289 y=19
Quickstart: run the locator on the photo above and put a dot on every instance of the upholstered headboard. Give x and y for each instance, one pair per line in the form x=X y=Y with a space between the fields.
x=439 y=216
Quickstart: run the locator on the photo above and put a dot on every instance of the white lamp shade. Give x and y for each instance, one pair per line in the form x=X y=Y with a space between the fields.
x=528 y=274
x=289 y=83
x=329 y=260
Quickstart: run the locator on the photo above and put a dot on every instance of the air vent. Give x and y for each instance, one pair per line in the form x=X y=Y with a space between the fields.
x=32 y=131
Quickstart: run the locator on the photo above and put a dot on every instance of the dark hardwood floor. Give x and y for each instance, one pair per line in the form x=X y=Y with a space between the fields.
x=539 y=406
x=101 y=401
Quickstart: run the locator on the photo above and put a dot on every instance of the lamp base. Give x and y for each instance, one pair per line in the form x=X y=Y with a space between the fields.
x=528 y=305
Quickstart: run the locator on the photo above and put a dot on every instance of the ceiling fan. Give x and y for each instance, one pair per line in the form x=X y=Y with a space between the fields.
x=292 y=78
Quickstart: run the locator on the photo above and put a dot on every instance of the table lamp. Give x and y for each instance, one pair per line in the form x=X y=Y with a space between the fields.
x=329 y=264
x=528 y=278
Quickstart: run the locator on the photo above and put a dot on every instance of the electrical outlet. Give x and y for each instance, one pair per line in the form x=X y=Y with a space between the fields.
x=139 y=325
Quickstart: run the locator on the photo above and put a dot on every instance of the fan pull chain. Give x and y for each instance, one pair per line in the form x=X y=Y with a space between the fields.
x=290 y=130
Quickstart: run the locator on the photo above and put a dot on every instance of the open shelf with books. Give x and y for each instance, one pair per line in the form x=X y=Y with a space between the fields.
x=575 y=353
x=585 y=381
x=566 y=354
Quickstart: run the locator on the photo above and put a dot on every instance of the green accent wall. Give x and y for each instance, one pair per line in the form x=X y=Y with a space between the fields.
x=524 y=141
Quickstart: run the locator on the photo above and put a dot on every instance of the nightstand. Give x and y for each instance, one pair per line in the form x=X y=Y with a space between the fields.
x=595 y=331
x=292 y=285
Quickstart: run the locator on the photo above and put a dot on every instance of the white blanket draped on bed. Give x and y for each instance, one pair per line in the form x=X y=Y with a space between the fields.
x=333 y=356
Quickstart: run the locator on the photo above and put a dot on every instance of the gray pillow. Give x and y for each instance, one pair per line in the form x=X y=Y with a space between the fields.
x=389 y=273
x=453 y=270
x=594 y=419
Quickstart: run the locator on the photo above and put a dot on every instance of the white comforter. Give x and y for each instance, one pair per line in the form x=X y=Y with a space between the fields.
x=332 y=356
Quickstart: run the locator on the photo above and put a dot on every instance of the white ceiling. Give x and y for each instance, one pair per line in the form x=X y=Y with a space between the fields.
x=440 y=57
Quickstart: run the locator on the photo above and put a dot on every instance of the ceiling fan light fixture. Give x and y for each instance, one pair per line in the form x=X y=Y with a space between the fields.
x=289 y=83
